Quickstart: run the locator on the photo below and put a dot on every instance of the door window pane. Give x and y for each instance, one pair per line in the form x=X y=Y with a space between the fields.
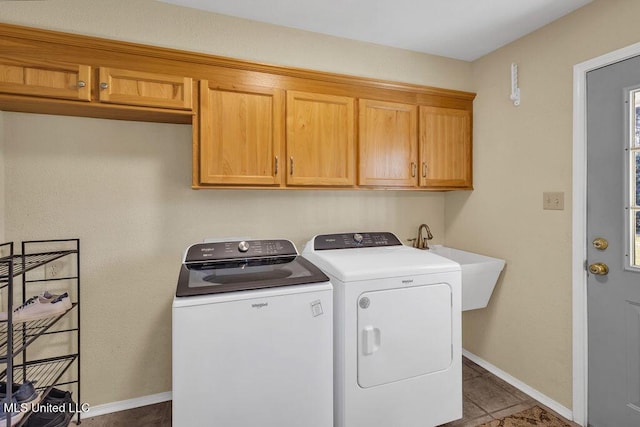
x=636 y=119
x=636 y=240
x=635 y=177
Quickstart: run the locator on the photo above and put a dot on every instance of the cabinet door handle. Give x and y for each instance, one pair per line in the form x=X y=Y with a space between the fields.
x=104 y=85
x=81 y=83
x=276 y=167
x=291 y=165
x=424 y=169
x=413 y=169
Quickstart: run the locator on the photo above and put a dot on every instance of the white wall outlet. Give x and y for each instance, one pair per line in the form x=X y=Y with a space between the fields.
x=553 y=201
x=53 y=270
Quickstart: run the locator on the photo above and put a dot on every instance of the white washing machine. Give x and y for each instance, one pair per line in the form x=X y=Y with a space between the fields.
x=252 y=338
x=397 y=331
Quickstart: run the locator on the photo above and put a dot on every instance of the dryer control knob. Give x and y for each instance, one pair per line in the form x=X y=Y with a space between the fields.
x=357 y=238
x=243 y=246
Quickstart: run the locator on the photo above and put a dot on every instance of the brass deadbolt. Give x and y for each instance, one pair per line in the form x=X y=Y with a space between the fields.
x=600 y=243
x=599 y=269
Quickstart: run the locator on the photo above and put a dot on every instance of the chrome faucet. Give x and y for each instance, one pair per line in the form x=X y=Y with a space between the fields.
x=422 y=242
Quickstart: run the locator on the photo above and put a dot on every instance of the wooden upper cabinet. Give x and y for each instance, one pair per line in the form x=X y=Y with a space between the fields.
x=320 y=139
x=388 y=144
x=254 y=125
x=48 y=79
x=241 y=134
x=445 y=148
x=128 y=87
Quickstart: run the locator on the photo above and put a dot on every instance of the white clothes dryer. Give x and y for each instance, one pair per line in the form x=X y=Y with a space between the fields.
x=397 y=331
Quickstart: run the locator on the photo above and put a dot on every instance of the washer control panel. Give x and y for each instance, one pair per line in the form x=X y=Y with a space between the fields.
x=325 y=242
x=219 y=251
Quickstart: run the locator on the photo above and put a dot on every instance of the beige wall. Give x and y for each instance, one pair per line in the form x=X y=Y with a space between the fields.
x=519 y=153
x=124 y=187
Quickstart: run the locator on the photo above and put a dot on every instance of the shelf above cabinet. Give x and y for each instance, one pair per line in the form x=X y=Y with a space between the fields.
x=64 y=107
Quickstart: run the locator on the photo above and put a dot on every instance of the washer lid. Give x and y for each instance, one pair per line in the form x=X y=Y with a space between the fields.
x=378 y=262
x=241 y=275
x=230 y=266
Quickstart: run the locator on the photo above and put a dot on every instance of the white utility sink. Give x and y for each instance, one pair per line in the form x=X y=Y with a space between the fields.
x=479 y=275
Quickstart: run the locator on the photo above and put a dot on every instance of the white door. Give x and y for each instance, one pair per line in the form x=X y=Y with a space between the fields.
x=403 y=333
x=613 y=228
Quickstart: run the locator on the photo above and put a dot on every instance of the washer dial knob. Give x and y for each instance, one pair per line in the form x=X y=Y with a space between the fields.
x=358 y=238
x=243 y=246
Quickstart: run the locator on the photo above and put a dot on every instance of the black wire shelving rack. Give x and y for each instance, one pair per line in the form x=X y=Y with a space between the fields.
x=15 y=338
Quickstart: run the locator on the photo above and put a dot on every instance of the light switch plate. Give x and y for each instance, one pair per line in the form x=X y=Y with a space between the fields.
x=553 y=201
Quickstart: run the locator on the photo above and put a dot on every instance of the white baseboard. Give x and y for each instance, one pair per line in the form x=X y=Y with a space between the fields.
x=123 y=405
x=542 y=398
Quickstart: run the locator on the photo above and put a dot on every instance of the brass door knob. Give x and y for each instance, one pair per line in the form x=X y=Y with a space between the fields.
x=600 y=243
x=599 y=269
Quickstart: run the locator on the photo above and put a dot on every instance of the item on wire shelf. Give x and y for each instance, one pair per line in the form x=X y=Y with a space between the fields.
x=23 y=393
x=59 y=404
x=40 y=307
x=11 y=409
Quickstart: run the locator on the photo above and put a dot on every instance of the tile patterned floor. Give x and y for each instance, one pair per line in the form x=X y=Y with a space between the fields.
x=486 y=397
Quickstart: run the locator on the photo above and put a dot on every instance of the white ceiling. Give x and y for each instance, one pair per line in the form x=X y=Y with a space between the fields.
x=461 y=29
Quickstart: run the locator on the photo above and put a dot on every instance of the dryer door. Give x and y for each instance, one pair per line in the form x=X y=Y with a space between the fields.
x=403 y=333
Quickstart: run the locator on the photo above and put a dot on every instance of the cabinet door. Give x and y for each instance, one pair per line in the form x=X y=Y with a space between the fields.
x=320 y=139
x=445 y=147
x=146 y=89
x=388 y=144
x=45 y=79
x=241 y=134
